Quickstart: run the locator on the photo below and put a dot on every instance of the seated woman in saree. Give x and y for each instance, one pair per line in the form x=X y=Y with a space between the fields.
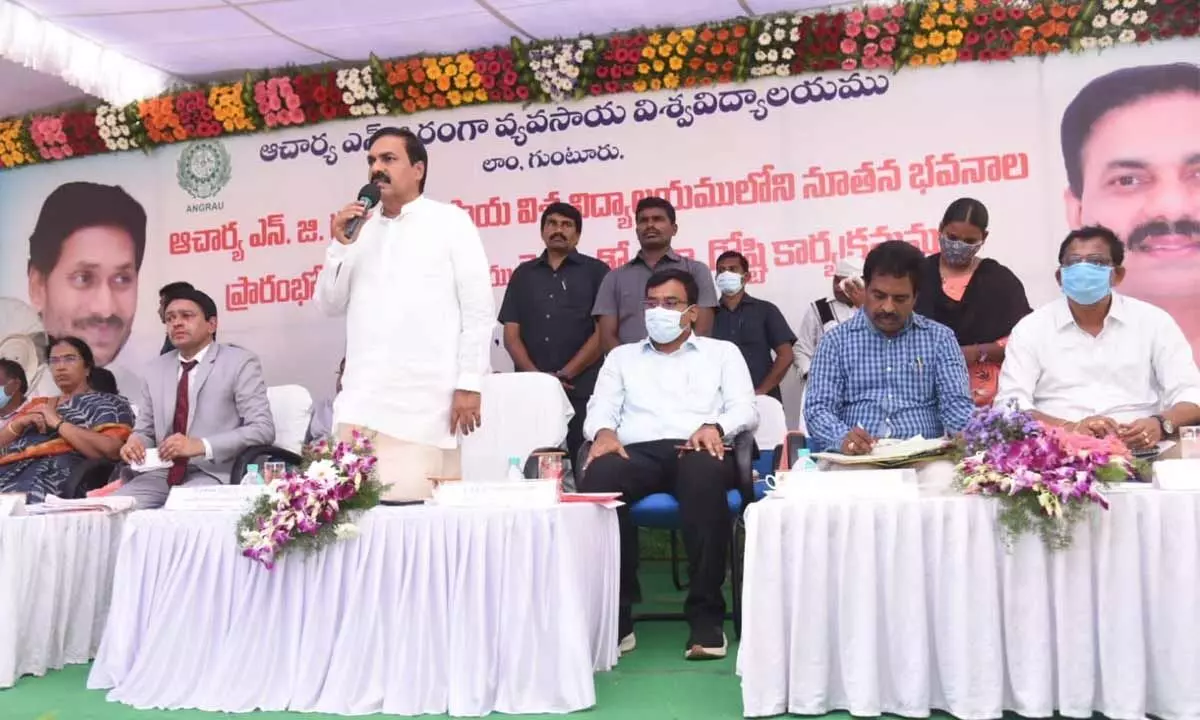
x=14 y=390
x=42 y=445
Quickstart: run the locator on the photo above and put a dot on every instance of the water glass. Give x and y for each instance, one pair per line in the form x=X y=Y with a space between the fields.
x=1189 y=442
x=550 y=466
x=273 y=471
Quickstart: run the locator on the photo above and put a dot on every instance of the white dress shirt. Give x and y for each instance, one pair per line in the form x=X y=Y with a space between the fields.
x=1139 y=365
x=417 y=294
x=645 y=395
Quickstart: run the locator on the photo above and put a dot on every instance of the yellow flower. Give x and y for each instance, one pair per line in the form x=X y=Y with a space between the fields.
x=666 y=50
x=462 y=58
x=673 y=37
x=948 y=55
x=659 y=66
x=945 y=19
x=919 y=42
x=648 y=52
x=954 y=38
x=676 y=63
x=476 y=80
x=455 y=97
x=927 y=22
x=643 y=69
x=932 y=60
x=670 y=81
x=445 y=60
x=937 y=39
x=681 y=49
x=481 y=95
x=961 y=22
x=655 y=39
x=934 y=6
x=451 y=70
x=461 y=82
x=688 y=34
x=433 y=72
x=469 y=96
x=639 y=86
x=969 y=5
x=656 y=84
x=466 y=66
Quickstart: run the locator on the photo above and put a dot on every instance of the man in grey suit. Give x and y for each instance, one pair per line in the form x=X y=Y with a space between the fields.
x=202 y=404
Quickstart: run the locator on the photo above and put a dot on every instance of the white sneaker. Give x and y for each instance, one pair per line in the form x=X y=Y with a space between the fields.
x=627 y=644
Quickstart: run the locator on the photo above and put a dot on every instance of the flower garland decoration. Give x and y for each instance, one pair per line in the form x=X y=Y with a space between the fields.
x=774 y=45
x=359 y=91
x=1047 y=31
x=871 y=38
x=818 y=48
x=1046 y=479
x=718 y=55
x=195 y=116
x=499 y=79
x=83 y=137
x=49 y=137
x=116 y=127
x=618 y=65
x=15 y=148
x=315 y=505
x=161 y=123
x=278 y=102
x=228 y=103
x=557 y=67
x=665 y=55
x=1122 y=22
x=320 y=97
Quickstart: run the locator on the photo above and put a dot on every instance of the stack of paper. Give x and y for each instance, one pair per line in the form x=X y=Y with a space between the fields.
x=106 y=505
x=892 y=453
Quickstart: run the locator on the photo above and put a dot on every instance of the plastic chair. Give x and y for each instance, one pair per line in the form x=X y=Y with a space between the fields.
x=772 y=427
x=661 y=511
x=291 y=411
x=520 y=412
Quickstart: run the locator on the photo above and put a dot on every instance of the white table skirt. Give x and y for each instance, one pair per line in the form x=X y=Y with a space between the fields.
x=55 y=581
x=430 y=610
x=908 y=606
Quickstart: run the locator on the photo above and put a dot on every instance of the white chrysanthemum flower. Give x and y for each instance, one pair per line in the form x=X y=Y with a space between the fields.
x=381 y=109
x=105 y=133
x=1105 y=42
x=1127 y=36
x=794 y=35
x=573 y=72
x=322 y=471
x=773 y=55
x=112 y=120
x=1139 y=17
x=341 y=75
x=782 y=71
x=788 y=53
x=1118 y=17
x=354 y=111
x=1099 y=22
x=371 y=94
x=780 y=34
x=764 y=39
x=760 y=56
x=125 y=130
x=1129 y=4
x=133 y=143
x=1111 y=4
x=1087 y=42
x=348 y=97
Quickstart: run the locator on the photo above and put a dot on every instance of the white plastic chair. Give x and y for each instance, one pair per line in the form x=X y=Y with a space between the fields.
x=772 y=423
x=291 y=411
x=521 y=412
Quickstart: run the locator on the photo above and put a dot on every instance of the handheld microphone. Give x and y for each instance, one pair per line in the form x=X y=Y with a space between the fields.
x=369 y=197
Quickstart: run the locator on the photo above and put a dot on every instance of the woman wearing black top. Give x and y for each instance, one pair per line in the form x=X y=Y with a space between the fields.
x=979 y=299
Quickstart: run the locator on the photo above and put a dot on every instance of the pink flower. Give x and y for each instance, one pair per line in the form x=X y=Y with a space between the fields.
x=887 y=44
x=898 y=11
x=44 y=153
x=868 y=62
x=297 y=116
x=871 y=31
x=853 y=30
x=270 y=120
x=892 y=27
x=848 y=46
x=273 y=84
x=849 y=64
x=60 y=137
x=67 y=151
x=876 y=13
x=884 y=61
x=274 y=103
x=855 y=17
x=56 y=153
x=293 y=101
x=870 y=49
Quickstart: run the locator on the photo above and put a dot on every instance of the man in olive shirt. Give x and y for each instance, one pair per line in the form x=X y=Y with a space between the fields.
x=619 y=303
x=755 y=326
x=547 y=314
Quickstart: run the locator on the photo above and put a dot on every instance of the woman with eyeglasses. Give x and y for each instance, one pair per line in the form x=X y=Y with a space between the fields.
x=42 y=444
x=978 y=298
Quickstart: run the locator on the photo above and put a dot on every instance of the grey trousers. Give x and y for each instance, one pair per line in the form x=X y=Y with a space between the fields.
x=150 y=489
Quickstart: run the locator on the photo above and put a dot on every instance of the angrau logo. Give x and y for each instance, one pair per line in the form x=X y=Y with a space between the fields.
x=204 y=169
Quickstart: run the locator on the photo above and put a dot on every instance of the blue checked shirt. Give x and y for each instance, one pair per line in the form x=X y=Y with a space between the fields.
x=894 y=387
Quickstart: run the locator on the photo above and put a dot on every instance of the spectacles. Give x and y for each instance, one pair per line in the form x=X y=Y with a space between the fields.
x=667 y=303
x=64 y=359
x=1100 y=260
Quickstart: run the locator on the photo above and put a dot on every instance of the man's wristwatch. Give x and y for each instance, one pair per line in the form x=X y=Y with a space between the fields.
x=1167 y=427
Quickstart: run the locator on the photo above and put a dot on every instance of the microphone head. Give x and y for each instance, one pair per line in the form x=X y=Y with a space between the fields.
x=369 y=195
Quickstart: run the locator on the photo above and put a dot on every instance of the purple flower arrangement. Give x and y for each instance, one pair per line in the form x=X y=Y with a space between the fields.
x=314 y=506
x=1045 y=478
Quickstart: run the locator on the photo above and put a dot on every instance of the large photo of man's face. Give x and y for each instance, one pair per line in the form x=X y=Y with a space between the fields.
x=1131 y=146
x=84 y=256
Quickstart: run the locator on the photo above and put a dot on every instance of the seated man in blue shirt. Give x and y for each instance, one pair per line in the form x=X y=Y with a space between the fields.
x=673 y=389
x=887 y=372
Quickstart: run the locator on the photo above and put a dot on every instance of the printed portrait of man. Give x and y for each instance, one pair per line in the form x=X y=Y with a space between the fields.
x=84 y=256
x=1131 y=146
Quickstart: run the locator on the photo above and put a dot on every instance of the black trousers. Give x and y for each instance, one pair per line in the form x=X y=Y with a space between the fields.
x=699 y=482
x=575 y=428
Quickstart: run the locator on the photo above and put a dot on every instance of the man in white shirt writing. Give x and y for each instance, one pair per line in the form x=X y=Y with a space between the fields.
x=416 y=290
x=1097 y=361
x=652 y=397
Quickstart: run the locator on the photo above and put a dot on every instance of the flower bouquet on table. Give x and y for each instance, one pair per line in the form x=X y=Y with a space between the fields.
x=312 y=506
x=1046 y=479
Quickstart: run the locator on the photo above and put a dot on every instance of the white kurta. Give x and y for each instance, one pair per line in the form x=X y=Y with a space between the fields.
x=417 y=294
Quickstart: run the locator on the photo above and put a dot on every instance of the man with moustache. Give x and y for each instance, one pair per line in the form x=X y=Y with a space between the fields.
x=547 y=314
x=619 y=302
x=1131 y=146
x=84 y=257
x=887 y=372
x=415 y=287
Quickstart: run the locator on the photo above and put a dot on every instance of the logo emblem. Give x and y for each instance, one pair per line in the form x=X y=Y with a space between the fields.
x=204 y=169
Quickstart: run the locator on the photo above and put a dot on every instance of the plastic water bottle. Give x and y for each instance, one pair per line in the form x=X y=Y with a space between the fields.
x=515 y=472
x=804 y=461
x=252 y=476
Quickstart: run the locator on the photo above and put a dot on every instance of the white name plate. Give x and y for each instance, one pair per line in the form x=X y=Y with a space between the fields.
x=1177 y=474
x=526 y=494
x=12 y=505
x=856 y=484
x=213 y=497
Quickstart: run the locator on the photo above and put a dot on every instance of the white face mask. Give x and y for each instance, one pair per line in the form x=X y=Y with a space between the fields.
x=730 y=283
x=663 y=325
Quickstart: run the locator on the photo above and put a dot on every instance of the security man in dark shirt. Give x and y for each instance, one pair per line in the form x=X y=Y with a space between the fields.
x=755 y=326
x=547 y=314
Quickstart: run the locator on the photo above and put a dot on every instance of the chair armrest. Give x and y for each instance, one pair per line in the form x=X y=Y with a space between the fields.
x=88 y=474
x=254 y=452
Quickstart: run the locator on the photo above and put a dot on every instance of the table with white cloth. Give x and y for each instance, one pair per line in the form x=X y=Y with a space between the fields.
x=905 y=606
x=430 y=610
x=55 y=580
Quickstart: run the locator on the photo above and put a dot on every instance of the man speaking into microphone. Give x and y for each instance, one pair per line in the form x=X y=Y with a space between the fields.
x=412 y=279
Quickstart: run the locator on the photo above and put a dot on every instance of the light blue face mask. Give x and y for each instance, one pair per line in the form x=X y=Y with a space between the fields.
x=5 y=397
x=662 y=325
x=1086 y=283
x=729 y=283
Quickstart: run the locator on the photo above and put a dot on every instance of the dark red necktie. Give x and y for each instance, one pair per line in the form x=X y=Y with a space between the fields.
x=178 y=471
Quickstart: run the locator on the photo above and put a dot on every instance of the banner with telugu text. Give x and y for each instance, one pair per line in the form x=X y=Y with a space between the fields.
x=793 y=172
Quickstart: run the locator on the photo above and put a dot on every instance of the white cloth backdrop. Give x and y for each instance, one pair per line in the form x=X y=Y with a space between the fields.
x=906 y=606
x=55 y=582
x=431 y=610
